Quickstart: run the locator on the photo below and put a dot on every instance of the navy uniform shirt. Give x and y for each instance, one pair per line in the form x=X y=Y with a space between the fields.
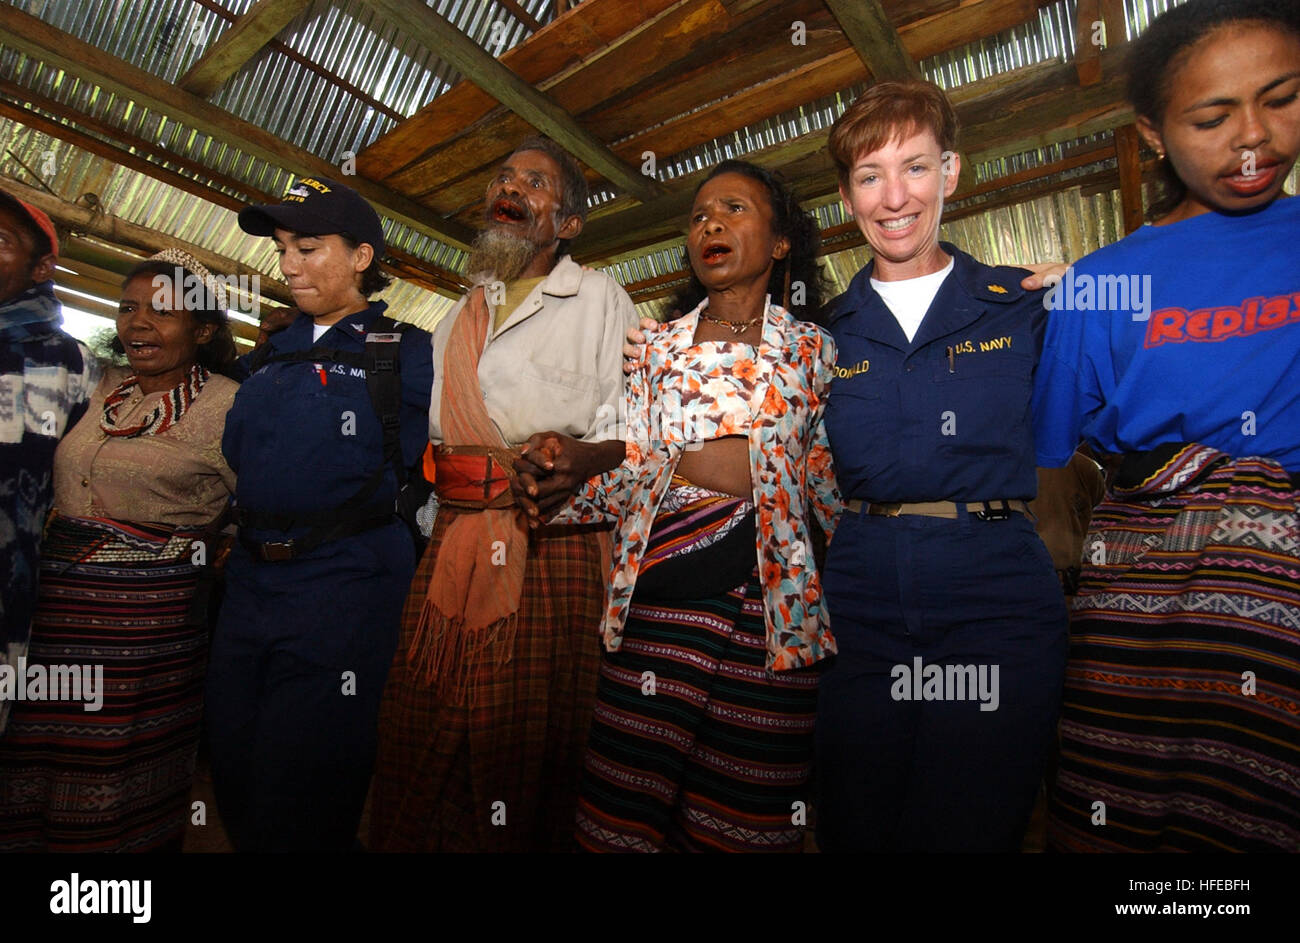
x=945 y=417
x=305 y=437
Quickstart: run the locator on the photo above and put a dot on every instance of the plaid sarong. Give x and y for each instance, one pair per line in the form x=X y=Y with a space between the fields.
x=717 y=755
x=119 y=596
x=1181 y=724
x=695 y=746
x=494 y=766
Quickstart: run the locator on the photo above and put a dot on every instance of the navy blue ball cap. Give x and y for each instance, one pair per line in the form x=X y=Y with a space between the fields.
x=317 y=206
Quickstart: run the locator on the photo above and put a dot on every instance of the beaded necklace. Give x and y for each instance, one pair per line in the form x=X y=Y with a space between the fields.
x=737 y=327
x=162 y=417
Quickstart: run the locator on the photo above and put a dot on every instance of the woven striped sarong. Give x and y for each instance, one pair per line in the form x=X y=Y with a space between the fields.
x=494 y=766
x=1181 y=724
x=694 y=746
x=114 y=595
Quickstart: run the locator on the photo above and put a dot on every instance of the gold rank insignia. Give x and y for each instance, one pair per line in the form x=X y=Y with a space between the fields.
x=998 y=288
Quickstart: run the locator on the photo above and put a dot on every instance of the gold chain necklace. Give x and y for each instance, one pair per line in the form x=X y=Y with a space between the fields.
x=737 y=327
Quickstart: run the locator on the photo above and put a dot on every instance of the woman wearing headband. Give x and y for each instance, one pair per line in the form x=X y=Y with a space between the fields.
x=100 y=755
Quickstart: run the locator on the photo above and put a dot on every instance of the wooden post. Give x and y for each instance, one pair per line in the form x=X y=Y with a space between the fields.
x=1130 y=176
x=1087 y=51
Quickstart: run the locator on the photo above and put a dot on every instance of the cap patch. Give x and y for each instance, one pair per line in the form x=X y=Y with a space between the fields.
x=302 y=189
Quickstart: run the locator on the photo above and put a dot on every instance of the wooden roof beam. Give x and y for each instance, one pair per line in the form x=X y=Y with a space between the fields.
x=1127 y=149
x=874 y=37
x=436 y=33
x=522 y=15
x=1087 y=47
x=1004 y=114
x=1099 y=24
x=134 y=160
x=402 y=264
x=808 y=78
x=60 y=50
x=1015 y=189
x=119 y=232
x=237 y=45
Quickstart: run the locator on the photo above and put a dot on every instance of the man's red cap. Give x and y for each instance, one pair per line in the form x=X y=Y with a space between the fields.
x=39 y=217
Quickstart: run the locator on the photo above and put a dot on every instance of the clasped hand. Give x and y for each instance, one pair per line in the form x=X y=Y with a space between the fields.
x=550 y=466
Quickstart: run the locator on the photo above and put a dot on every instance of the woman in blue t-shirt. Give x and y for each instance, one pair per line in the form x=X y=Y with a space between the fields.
x=1178 y=348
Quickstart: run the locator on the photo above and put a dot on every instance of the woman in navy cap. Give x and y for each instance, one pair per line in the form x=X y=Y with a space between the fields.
x=322 y=565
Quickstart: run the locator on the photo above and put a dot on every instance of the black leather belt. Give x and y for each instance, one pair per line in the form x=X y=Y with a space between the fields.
x=983 y=510
x=282 y=551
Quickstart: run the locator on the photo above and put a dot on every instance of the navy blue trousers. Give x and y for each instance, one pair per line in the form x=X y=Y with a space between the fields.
x=910 y=763
x=299 y=660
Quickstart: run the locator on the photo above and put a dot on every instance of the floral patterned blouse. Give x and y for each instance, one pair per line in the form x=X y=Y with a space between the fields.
x=673 y=400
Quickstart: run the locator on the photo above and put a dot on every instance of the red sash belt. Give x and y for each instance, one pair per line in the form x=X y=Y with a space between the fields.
x=473 y=477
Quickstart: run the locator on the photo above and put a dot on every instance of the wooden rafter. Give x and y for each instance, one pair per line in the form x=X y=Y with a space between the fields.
x=1087 y=51
x=1116 y=19
x=1089 y=39
x=403 y=264
x=237 y=45
x=874 y=37
x=522 y=15
x=676 y=104
x=117 y=155
x=120 y=232
x=463 y=159
x=575 y=36
x=1127 y=147
x=435 y=32
x=63 y=51
x=1016 y=112
x=106 y=141
x=1016 y=188
x=294 y=55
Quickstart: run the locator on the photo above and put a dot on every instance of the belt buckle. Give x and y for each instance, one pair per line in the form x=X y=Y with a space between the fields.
x=886 y=509
x=277 y=551
x=994 y=514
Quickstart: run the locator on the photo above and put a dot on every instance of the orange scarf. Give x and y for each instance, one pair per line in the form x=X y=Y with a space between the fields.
x=470 y=610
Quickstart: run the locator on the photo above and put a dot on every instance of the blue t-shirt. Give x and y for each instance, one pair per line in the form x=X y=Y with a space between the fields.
x=1182 y=333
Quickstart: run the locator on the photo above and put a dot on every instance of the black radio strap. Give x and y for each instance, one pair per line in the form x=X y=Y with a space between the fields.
x=384 y=381
x=382 y=364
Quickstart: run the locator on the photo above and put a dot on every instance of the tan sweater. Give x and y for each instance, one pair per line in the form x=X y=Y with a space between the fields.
x=178 y=478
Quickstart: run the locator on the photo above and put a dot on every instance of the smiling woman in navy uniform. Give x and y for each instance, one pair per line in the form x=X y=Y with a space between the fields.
x=317 y=580
x=935 y=565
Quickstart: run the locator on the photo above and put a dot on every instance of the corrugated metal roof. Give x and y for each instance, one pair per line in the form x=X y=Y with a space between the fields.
x=140 y=199
x=1050 y=37
x=299 y=92
x=309 y=107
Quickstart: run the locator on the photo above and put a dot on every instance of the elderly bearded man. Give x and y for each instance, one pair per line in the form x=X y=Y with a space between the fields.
x=487 y=707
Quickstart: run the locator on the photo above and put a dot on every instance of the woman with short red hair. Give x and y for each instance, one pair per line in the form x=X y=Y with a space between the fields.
x=935 y=719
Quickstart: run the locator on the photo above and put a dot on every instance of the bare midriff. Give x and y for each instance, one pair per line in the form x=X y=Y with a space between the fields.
x=719 y=465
